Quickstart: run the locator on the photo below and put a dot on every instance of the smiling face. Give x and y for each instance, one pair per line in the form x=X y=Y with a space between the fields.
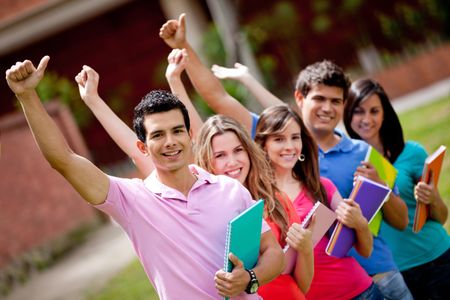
x=167 y=142
x=284 y=147
x=321 y=109
x=367 y=119
x=229 y=156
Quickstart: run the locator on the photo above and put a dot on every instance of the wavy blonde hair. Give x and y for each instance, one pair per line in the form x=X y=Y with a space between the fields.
x=259 y=181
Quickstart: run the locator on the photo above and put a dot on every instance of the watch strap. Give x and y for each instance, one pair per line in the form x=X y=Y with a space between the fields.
x=253 y=284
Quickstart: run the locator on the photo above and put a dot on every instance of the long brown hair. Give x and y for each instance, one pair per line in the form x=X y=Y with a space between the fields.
x=259 y=181
x=391 y=133
x=274 y=120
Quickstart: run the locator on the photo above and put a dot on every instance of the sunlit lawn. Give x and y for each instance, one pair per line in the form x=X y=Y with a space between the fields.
x=428 y=125
x=130 y=284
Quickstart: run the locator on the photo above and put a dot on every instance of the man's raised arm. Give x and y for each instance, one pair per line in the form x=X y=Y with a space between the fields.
x=90 y=182
x=173 y=32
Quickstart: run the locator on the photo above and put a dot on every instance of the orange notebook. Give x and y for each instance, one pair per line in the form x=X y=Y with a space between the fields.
x=431 y=171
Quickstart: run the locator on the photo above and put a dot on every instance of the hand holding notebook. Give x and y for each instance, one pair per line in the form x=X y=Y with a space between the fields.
x=387 y=173
x=370 y=196
x=244 y=237
x=431 y=171
x=319 y=219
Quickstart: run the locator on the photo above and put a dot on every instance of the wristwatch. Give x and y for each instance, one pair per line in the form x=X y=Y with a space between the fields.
x=253 y=285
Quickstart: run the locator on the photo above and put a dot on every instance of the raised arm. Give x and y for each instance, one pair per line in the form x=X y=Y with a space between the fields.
x=173 y=32
x=90 y=182
x=349 y=213
x=177 y=60
x=395 y=210
x=122 y=135
x=241 y=73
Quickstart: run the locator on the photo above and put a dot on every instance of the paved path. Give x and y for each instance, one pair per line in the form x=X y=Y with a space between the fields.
x=87 y=268
x=424 y=96
x=108 y=250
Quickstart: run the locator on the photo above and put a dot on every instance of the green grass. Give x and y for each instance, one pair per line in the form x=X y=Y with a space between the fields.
x=130 y=284
x=428 y=125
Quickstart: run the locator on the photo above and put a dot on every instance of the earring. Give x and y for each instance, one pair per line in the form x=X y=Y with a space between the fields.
x=301 y=157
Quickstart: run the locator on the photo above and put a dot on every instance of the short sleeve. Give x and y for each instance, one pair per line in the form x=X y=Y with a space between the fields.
x=121 y=192
x=395 y=190
x=249 y=201
x=255 y=119
x=419 y=154
x=330 y=188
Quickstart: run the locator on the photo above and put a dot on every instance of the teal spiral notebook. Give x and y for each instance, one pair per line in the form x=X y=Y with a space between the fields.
x=244 y=236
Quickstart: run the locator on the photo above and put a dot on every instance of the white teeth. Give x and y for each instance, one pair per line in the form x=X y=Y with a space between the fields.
x=324 y=118
x=234 y=172
x=171 y=153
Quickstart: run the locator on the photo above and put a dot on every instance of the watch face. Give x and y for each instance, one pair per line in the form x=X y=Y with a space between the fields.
x=254 y=287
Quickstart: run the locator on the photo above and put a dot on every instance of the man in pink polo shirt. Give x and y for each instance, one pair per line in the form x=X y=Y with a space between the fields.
x=177 y=217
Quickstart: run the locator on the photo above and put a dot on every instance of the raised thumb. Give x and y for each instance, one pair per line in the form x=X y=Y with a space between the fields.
x=182 y=21
x=43 y=64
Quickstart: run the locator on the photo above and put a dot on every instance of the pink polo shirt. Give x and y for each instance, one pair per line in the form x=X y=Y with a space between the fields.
x=180 y=241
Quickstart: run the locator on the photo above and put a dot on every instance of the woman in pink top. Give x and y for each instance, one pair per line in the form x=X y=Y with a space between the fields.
x=293 y=156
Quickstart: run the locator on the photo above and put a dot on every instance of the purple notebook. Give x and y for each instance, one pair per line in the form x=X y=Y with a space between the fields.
x=370 y=196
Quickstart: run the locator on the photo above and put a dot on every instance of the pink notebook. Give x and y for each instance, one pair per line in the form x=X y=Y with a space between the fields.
x=325 y=217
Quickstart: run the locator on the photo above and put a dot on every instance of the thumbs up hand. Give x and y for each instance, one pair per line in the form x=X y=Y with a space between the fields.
x=24 y=76
x=300 y=238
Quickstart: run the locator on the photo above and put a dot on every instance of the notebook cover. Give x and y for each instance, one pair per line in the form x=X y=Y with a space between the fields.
x=388 y=173
x=244 y=236
x=370 y=196
x=325 y=217
x=431 y=171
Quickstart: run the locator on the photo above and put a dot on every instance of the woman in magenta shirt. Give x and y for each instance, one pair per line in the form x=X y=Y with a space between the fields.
x=293 y=156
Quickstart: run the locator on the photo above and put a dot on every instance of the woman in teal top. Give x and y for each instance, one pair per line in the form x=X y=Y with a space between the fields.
x=424 y=257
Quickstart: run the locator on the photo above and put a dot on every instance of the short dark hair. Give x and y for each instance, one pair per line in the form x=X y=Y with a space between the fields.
x=391 y=133
x=324 y=72
x=155 y=102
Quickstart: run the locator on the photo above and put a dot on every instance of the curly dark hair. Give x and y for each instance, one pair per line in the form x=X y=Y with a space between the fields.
x=155 y=102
